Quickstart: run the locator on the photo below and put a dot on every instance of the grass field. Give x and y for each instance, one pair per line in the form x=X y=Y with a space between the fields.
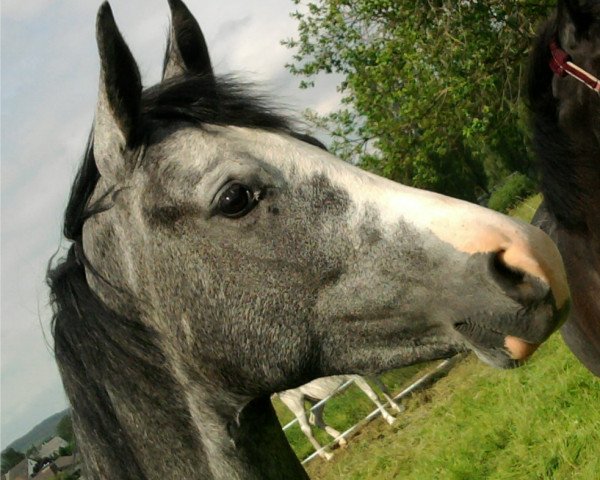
x=541 y=421
x=527 y=208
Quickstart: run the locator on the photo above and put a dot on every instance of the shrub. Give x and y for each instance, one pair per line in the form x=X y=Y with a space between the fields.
x=515 y=188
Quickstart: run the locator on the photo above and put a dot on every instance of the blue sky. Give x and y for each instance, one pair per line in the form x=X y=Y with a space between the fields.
x=49 y=75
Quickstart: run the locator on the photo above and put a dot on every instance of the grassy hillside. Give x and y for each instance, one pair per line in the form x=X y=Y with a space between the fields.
x=41 y=432
x=541 y=421
x=527 y=208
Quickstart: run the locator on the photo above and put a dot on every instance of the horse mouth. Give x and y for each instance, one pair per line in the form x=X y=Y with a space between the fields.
x=496 y=348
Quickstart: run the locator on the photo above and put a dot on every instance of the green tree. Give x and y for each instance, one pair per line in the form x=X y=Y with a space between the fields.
x=430 y=90
x=64 y=429
x=10 y=457
x=68 y=450
x=32 y=452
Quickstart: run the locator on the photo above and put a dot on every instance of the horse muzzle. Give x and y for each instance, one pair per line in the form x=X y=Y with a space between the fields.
x=537 y=304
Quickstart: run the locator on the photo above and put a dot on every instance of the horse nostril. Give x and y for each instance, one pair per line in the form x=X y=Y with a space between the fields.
x=505 y=272
x=518 y=284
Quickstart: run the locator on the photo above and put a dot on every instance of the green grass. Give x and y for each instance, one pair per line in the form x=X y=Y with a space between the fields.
x=527 y=208
x=541 y=421
x=515 y=188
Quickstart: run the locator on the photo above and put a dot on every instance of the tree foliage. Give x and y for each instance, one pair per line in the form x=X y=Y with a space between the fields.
x=32 y=452
x=10 y=457
x=64 y=451
x=515 y=188
x=64 y=429
x=431 y=89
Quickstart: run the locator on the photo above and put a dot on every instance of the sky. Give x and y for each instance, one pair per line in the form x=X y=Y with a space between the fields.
x=49 y=81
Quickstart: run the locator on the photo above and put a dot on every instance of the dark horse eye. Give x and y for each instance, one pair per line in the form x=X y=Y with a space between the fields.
x=236 y=200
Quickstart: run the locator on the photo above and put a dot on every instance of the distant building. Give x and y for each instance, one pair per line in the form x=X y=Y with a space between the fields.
x=64 y=462
x=51 y=447
x=46 y=473
x=67 y=463
x=31 y=464
x=19 y=471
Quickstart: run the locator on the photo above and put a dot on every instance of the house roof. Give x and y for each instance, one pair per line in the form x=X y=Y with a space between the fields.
x=64 y=461
x=46 y=473
x=51 y=446
x=19 y=471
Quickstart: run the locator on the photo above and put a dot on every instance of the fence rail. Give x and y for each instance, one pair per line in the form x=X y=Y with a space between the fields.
x=441 y=367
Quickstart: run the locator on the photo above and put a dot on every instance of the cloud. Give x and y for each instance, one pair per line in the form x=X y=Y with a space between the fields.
x=20 y=10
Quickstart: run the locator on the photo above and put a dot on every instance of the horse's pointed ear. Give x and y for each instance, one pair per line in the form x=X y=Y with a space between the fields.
x=119 y=98
x=186 y=51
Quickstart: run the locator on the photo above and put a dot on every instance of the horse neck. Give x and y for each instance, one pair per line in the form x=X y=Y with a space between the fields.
x=581 y=255
x=182 y=433
x=255 y=447
x=570 y=177
x=242 y=439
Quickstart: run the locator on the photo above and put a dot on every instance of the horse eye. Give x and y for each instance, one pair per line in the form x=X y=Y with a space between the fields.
x=236 y=201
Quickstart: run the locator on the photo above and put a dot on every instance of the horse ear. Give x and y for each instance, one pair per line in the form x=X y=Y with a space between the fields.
x=575 y=17
x=119 y=97
x=186 y=50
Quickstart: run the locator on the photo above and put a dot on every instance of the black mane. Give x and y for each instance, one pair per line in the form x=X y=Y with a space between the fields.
x=96 y=347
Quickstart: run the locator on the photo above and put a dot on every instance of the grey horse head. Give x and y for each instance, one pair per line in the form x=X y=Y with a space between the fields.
x=244 y=259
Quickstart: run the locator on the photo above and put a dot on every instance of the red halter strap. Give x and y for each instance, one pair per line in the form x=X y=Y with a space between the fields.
x=561 y=65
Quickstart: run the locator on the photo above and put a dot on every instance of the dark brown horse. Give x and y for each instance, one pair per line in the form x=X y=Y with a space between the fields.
x=566 y=116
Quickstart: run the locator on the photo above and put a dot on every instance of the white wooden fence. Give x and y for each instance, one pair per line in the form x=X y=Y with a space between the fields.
x=445 y=365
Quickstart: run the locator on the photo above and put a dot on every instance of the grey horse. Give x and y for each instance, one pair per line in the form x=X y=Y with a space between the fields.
x=219 y=256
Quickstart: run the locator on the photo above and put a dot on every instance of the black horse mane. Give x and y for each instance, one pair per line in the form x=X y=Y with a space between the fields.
x=556 y=154
x=96 y=348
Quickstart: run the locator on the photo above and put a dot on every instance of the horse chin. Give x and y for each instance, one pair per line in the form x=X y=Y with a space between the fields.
x=497 y=358
x=494 y=348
